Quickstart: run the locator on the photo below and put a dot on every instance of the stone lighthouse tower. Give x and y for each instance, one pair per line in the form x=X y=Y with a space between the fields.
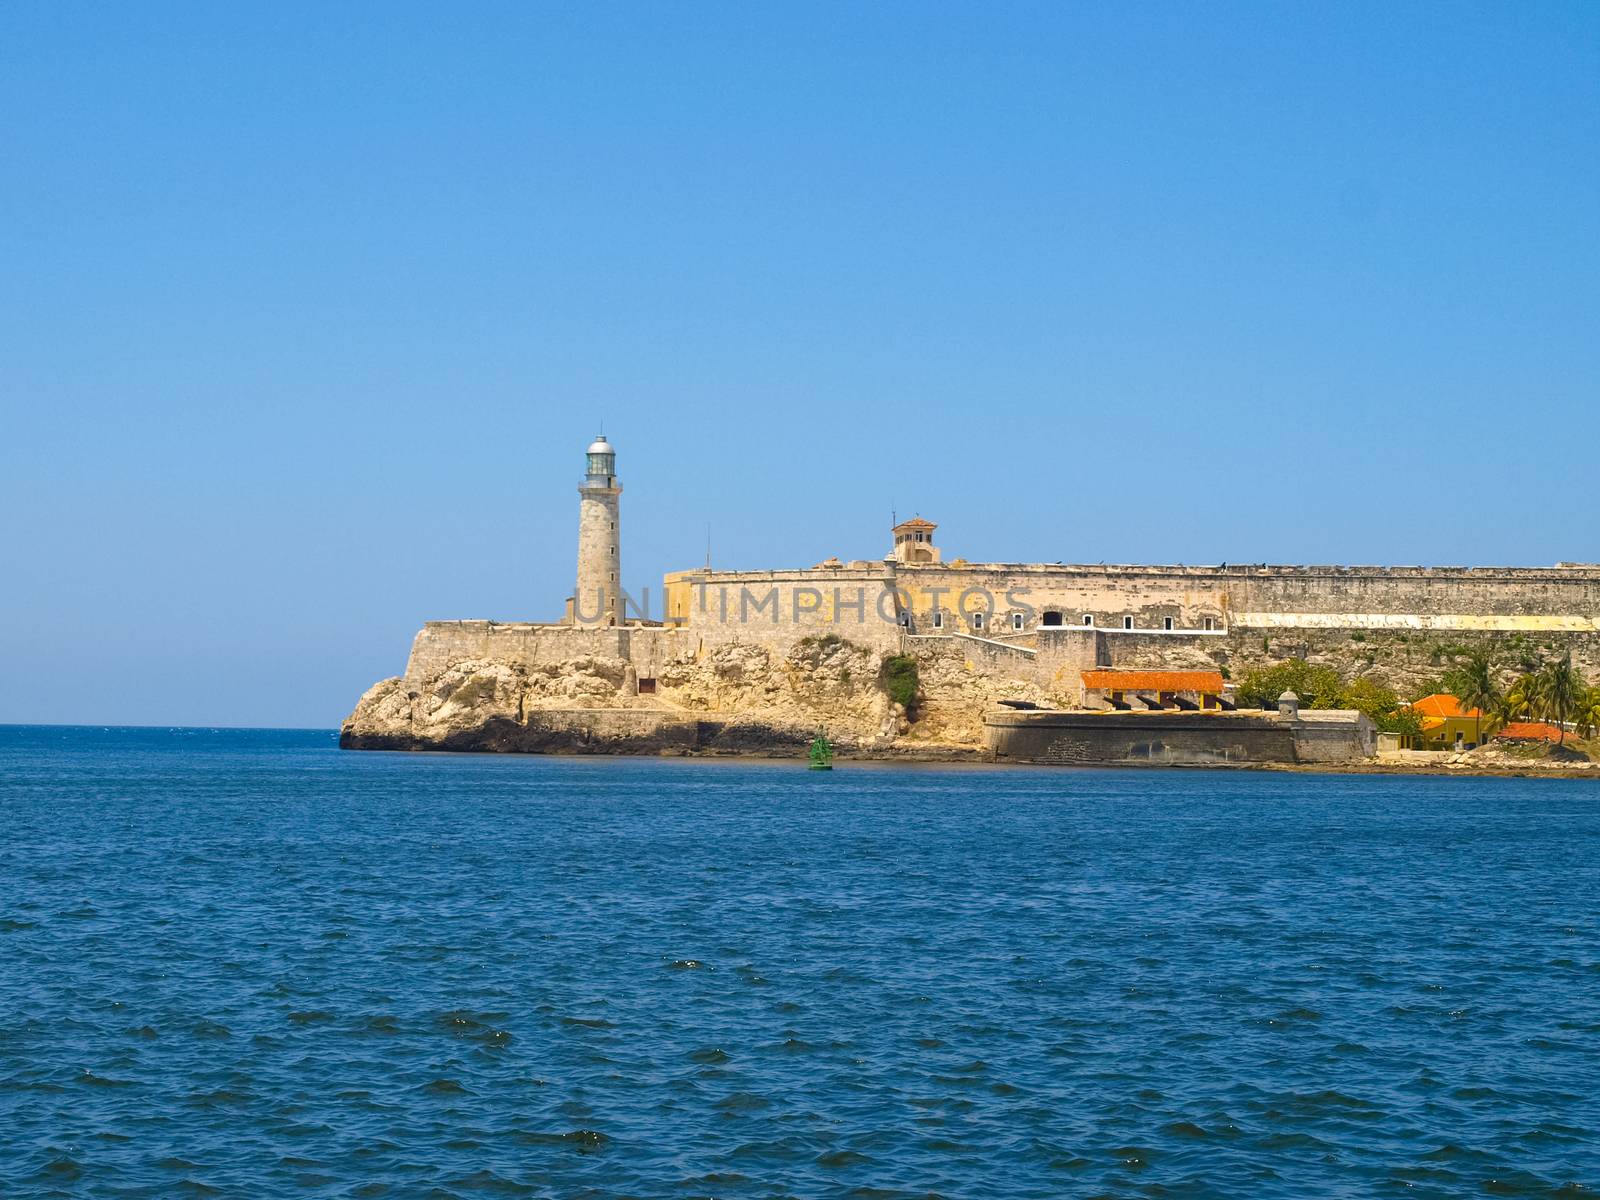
x=598 y=599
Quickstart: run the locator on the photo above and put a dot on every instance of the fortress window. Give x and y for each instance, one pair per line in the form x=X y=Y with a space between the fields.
x=1210 y=624
x=1127 y=622
x=1088 y=620
x=938 y=619
x=1166 y=623
x=1051 y=617
x=977 y=620
x=1016 y=620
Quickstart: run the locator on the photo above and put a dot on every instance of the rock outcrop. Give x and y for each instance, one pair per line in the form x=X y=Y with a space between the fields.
x=732 y=698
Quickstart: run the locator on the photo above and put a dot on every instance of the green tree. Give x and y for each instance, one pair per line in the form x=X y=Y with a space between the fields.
x=1405 y=721
x=1587 y=719
x=1561 y=688
x=1388 y=712
x=1317 y=686
x=1474 y=681
x=1522 y=701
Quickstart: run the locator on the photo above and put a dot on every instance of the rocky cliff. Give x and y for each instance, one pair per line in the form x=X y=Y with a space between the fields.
x=481 y=686
x=734 y=697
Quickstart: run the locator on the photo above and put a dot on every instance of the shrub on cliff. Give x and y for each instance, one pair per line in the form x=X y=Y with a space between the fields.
x=900 y=680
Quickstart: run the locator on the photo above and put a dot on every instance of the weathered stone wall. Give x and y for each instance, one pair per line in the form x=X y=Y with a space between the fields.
x=441 y=643
x=1166 y=738
x=1323 y=737
x=1149 y=739
x=764 y=604
x=1428 y=592
x=776 y=607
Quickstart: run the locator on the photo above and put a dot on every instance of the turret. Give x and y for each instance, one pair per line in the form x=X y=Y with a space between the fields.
x=913 y=541
x=598 y=598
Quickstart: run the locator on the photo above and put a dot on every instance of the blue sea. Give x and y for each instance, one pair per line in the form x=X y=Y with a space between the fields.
x=246 y=963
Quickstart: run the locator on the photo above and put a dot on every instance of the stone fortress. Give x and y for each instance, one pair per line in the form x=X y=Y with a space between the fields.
x=757 y=660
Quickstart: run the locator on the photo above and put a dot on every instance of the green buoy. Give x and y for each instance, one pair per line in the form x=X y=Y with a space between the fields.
x=821 y=753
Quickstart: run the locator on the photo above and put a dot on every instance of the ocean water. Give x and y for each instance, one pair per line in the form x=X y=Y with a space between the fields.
x=249 y=964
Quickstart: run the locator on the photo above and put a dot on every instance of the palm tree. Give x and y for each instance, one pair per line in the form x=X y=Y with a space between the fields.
x=1522 y=699
x=1474 y=682
x=1586 y=720
x=1562 y=688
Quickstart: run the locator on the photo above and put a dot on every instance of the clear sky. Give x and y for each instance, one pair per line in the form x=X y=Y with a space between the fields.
x=307 y=311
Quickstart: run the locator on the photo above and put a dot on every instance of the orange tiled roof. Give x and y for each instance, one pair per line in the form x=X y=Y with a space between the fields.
x=1154 y=681
x=1443 y=704
x=1530 y=731
x=916 y=523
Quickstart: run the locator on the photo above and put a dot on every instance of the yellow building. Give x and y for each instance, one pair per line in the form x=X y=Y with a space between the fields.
x=1448 y=726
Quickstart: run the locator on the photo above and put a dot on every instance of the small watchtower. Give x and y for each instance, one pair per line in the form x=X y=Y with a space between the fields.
x=913 y=542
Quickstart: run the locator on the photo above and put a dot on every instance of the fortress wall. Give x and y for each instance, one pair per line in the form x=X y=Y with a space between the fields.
x=648 y=648
x=1438 y=591
x=1506 y=599
x=776 y=608
x=978 y=654
x=1063 y=656
x=440 y=643
x=835 y=600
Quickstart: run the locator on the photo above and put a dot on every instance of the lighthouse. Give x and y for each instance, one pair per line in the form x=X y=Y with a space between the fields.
x=597 y=601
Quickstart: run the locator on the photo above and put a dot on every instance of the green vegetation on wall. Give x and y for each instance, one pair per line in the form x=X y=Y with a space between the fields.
x=900 y=680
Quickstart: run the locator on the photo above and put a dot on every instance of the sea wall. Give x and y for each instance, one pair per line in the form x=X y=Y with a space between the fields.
x=1171 y=739
x=1156 y=739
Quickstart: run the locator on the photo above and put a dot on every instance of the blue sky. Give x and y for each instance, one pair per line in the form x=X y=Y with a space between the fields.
x=308 y=311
